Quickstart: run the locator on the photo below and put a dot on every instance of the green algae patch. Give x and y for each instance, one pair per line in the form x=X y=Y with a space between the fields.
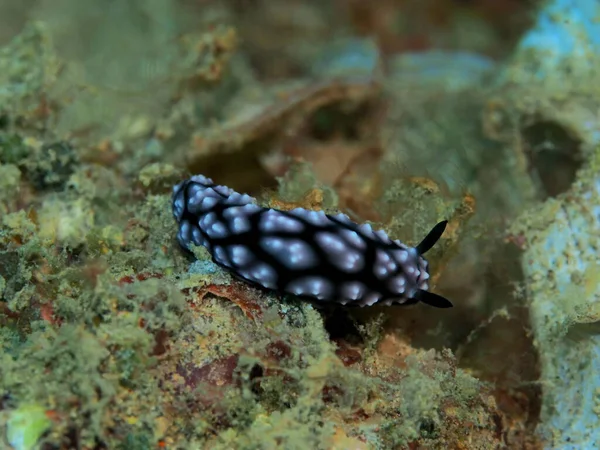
x=10 y=176
x=25 y=426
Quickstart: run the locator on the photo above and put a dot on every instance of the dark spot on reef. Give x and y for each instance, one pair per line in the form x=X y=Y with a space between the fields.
x=427 y=428
x=341 y=325
x=333 y=120
x=53 y=165
x=255 y=376
x=554 y=156
x=4 y=121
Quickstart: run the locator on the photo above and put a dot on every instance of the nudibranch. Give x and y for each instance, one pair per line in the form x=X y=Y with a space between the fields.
x=306 y=253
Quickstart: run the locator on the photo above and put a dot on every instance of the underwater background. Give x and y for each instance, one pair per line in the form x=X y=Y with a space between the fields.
x=399 y=113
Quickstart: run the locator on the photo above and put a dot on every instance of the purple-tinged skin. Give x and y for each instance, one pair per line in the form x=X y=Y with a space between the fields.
x=302 y=252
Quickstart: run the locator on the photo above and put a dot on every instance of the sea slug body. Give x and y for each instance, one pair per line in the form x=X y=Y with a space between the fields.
x=307 y=253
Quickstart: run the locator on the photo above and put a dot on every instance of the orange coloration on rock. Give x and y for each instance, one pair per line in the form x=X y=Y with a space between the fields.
x=236 y=293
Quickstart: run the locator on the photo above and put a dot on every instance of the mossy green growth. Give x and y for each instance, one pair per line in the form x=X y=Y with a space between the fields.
x=10 y=176
x=300 y=180
x=414 y=207
x=25 y=425
x=12 y=149
x=136 y=442
x=27 y=65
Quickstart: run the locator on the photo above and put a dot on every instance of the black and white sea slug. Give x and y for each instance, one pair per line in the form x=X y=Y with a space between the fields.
x=302 y=252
